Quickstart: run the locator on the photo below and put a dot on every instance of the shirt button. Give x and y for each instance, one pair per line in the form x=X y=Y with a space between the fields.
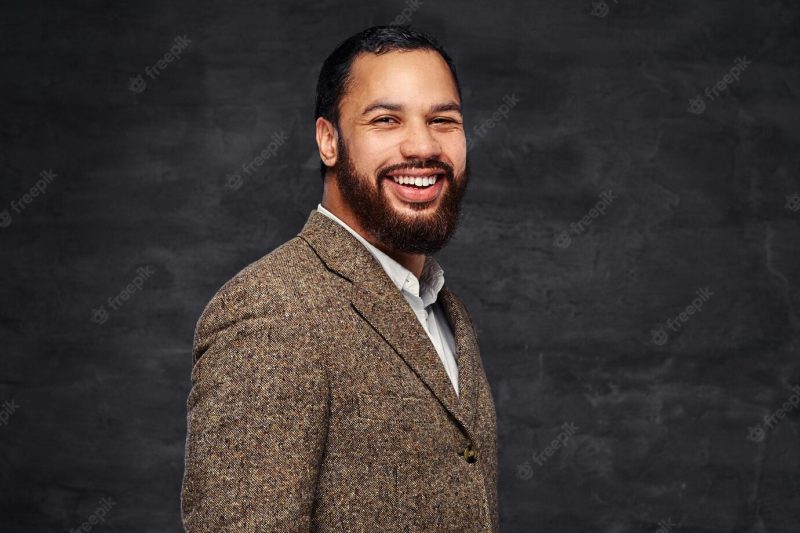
x=469 y=454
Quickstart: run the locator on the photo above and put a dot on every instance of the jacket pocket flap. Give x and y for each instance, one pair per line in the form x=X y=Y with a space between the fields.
x=388 y=407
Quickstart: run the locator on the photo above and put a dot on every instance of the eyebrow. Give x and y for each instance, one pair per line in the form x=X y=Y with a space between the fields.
x=389 y=106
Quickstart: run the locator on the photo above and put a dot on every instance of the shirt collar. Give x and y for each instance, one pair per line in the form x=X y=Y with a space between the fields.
x=431 y=278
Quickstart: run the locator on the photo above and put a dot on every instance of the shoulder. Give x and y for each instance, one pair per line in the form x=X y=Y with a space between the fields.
x=273 y=288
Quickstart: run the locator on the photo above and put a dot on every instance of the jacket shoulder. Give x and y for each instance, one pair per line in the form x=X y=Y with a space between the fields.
x=265 y=290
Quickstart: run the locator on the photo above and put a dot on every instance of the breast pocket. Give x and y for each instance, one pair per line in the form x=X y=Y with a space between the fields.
x=395 y=408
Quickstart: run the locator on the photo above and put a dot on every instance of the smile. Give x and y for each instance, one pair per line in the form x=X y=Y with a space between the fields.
x=416 y=181
x=417 y=189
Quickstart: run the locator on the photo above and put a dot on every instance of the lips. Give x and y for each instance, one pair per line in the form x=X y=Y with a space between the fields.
x=416 y=189
x=417 y=172
x=417 y=183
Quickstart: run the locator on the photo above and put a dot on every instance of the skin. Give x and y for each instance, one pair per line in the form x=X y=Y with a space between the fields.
x=417 y=81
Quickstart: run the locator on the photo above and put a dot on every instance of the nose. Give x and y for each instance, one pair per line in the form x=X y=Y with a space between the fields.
x=419 y=142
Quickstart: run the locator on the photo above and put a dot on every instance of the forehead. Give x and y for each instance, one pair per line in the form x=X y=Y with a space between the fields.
x=408 y=77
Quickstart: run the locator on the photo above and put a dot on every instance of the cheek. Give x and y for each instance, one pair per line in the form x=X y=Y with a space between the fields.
x=369 y=155
x=456 y=152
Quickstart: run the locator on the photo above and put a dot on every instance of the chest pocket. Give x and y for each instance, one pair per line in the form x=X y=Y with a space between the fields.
x=398 y=408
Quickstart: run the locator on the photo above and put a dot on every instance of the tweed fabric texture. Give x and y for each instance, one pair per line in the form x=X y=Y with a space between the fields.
x=319 y=404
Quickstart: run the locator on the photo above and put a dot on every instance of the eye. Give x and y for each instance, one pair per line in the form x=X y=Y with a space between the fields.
x=443 y=120
x=382 y=120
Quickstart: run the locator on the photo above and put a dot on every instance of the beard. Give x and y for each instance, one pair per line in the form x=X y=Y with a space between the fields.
x=419 y=233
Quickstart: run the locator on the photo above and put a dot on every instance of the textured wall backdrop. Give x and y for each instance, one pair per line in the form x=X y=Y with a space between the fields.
x=629 y=250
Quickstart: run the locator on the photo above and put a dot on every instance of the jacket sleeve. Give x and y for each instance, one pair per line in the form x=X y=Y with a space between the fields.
x=256 y=423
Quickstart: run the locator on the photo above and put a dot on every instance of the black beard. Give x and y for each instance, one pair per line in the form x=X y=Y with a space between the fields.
x=423 y=234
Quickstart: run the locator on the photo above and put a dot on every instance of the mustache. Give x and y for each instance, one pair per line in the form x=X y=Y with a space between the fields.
x=418 y=164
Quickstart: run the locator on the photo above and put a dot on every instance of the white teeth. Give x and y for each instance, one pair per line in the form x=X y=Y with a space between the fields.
x=411 y=180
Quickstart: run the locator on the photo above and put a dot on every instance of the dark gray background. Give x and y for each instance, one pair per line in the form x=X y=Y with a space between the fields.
x=147 y=180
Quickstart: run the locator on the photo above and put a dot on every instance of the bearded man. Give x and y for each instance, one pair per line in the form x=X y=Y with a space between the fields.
x=337 y=383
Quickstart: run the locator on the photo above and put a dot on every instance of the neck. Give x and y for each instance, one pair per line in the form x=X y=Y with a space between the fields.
x=333 y=202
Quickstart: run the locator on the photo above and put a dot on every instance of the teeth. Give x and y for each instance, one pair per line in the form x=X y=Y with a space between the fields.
x=411 y=180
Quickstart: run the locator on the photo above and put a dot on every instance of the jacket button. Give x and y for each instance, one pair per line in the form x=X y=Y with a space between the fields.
x=469 y=454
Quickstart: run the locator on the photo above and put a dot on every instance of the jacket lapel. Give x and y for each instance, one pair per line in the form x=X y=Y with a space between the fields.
x=375 y=297
x=467 y=353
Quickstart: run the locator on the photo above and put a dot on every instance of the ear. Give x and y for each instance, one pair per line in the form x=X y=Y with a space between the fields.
x=327 y=138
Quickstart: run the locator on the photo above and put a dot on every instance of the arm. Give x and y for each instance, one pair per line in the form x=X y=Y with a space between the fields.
x=257 y=424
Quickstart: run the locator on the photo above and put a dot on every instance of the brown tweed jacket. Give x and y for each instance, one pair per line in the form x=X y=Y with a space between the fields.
x=319 y=403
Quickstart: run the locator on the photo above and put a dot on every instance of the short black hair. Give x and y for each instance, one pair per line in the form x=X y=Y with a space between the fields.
x=335 y=73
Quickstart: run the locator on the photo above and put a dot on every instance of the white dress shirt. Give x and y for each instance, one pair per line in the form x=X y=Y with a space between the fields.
x=421 y=295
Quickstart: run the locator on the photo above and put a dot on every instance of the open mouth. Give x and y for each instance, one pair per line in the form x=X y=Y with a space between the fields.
x=416 y=181
x=417 y=189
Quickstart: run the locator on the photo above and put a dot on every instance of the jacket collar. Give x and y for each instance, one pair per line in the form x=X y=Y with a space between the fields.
x=375 y=297
x=430 y=280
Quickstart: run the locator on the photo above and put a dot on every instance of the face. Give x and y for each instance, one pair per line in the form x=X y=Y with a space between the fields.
x=401 y=154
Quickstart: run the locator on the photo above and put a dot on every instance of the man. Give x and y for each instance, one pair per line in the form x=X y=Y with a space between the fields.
x=337 y=382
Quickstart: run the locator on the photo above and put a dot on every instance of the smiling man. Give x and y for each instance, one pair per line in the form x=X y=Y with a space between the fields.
x=337 y=383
